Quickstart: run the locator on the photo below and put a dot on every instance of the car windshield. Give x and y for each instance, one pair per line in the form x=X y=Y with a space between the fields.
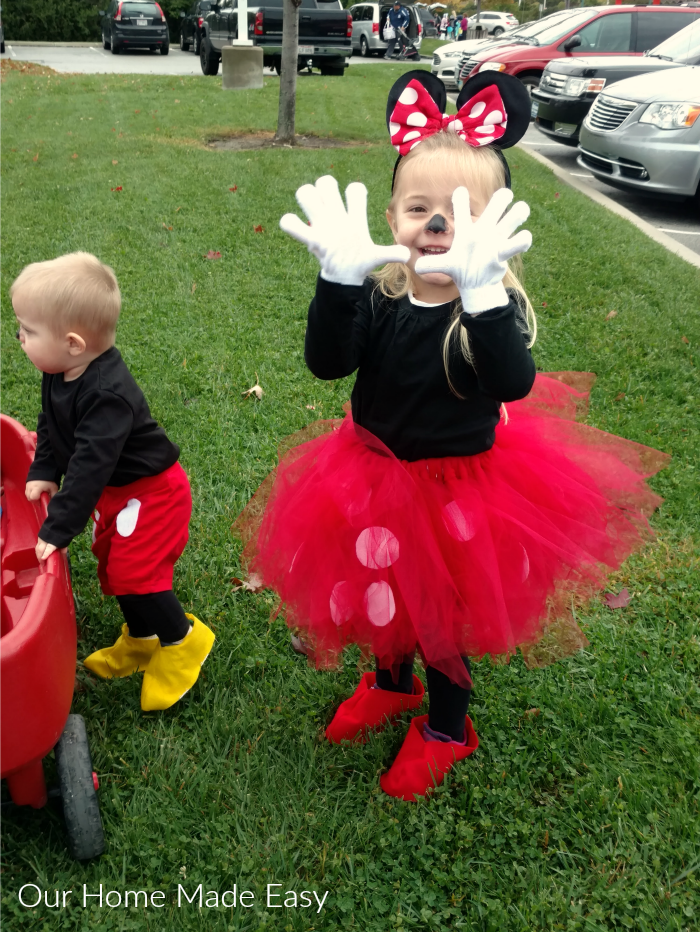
x=559 y=29
x=140 y=9
x=683 y=47
x=532 y=29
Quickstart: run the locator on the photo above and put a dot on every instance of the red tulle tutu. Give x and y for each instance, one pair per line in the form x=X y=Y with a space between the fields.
x=461 y=555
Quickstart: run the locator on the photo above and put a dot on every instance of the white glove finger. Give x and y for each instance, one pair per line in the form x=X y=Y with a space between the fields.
x=521 y=242
x=386 y=254
x=495 y=208
x=301 y=231
x=310 y=202
x=462 y=218
x=515 y=217
x=356 y=197
x=333 y=204
x=427 y=264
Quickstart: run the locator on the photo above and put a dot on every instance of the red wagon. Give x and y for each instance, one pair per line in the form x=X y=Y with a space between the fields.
x=37 y=659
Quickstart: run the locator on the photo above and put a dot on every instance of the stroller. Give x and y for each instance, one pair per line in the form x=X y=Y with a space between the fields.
x=407 y=51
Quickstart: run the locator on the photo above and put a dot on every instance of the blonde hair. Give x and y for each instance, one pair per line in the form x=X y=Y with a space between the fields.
x=75 y=291
x=483 y=171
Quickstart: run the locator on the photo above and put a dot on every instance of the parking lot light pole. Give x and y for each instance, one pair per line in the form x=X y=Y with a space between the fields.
x=242 y=61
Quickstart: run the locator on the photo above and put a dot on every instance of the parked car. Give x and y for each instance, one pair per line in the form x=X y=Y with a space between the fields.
x=428 y=21
x=569 y=87
x=644 y=134
x=134 y=24
x=325 y=31
x=592 y=31
x=448 y=59
x=191 y=25
x=368 y=20
x=494 y=23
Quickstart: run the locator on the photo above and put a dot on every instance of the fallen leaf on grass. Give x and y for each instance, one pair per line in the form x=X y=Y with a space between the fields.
x=74 y=156
x=234 y=188
x=556 y=194
x=311 y=407
x=684 y=339
x=533 y=713
x=213 y=254
x=254 y=583
x=119 y=188
x=137 y=111
x=258 y=228
x=544 y=304
x=166 y=227
x=177 y=101
x=618 y=601
x=194 y=287
x=177 y=208
x=619 y=782
x=255 y=390
x=610 y=315
x=36 y=158
x=115 y=162
x=620 y=396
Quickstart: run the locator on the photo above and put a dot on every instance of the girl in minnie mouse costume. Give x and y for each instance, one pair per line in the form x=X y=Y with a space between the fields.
x=427 y=519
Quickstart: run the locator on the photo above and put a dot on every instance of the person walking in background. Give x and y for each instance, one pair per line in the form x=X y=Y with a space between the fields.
x=444 y=23
x=399 y=18
x=464 y=25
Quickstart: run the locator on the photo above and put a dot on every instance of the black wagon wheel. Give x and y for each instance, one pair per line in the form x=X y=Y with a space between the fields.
x=81 y=809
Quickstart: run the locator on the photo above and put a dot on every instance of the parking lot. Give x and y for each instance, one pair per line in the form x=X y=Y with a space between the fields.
x=677 y=219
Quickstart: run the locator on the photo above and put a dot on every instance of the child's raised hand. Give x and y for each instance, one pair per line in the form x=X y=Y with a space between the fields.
x=339 y=238
x=36 y=487
x=477 y=259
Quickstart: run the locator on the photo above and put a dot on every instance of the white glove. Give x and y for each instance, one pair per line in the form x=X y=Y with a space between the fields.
x=476 y=261
x=339 y=238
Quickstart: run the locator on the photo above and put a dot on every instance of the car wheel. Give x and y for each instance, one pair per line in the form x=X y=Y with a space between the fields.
x=530 y=81
x=498 y=31
x=364 y=48
x=116 y=47
x=165 y=48
x=208 y=58
x=105 y=43
x=197 y=43
x=184 y=46
x=81 y=809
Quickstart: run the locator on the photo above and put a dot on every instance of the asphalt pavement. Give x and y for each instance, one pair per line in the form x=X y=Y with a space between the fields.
x=676 y=219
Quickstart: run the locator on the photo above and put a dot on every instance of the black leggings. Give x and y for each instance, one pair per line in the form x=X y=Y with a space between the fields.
x=448 y=701
x=158 y=613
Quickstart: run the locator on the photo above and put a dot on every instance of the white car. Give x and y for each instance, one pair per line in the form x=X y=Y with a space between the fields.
x=494 y=23
x=446 y=59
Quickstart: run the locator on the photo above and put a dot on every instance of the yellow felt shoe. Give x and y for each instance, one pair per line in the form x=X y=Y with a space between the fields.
x=174 y=669
x=124 y=657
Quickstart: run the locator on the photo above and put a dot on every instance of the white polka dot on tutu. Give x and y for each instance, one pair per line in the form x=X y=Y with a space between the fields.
x=414 y=134
x=409 y=96
x=525 y=571
x=477 y=110
x=394 y=128
x=379 y=603
x=127 y=518
x=416 y=119
x=377 y=548
x=341 y=610
x=460 y=523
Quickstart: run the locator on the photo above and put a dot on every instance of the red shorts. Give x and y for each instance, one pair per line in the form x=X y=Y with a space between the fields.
x=140 y=531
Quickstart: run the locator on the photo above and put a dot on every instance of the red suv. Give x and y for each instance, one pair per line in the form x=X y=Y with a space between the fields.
x=611 y=30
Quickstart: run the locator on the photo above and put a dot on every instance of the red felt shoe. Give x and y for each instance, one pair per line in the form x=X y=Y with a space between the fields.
x=421 y=765
x=369 y=708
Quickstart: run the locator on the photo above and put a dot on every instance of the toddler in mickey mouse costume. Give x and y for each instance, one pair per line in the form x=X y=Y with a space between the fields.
x=96 y=433
x=430 y=520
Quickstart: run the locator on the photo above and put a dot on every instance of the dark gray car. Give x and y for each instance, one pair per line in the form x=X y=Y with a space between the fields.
x=134 y=24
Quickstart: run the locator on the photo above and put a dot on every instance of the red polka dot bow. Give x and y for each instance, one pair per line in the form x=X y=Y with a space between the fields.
x=481 y=120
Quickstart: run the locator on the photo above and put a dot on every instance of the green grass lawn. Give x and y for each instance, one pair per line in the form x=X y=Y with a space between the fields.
x=581 y=816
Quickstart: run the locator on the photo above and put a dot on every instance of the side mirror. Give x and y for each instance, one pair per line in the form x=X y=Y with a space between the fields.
x=572 y=43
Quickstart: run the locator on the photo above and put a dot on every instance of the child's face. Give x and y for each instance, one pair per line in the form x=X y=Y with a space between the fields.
x=48 y=352
x=417 y=201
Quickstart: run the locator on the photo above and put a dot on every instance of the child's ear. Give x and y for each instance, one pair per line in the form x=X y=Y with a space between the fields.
x=76 y=344
x=390 y=221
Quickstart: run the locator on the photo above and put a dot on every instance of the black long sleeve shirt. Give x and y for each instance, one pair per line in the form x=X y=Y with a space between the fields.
x=94 y=431
x=401 y=393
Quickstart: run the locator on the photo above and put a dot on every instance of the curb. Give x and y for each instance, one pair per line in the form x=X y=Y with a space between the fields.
x=683 y=252
x=61 y=45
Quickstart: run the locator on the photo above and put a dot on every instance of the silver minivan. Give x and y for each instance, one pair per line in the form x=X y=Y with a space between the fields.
x=368 y=21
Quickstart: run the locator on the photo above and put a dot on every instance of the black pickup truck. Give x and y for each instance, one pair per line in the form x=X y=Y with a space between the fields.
x=325 y=31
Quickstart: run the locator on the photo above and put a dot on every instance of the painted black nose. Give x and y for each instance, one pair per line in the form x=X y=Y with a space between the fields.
x=436 y=224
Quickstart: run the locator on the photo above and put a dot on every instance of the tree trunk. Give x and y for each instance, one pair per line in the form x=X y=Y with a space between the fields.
x=288 y=77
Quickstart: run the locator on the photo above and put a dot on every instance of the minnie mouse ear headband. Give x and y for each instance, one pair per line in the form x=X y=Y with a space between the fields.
x=493 y=109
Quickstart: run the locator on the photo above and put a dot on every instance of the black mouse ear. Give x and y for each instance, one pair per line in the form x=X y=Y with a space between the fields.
x=516 y=102
x=433 y=86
